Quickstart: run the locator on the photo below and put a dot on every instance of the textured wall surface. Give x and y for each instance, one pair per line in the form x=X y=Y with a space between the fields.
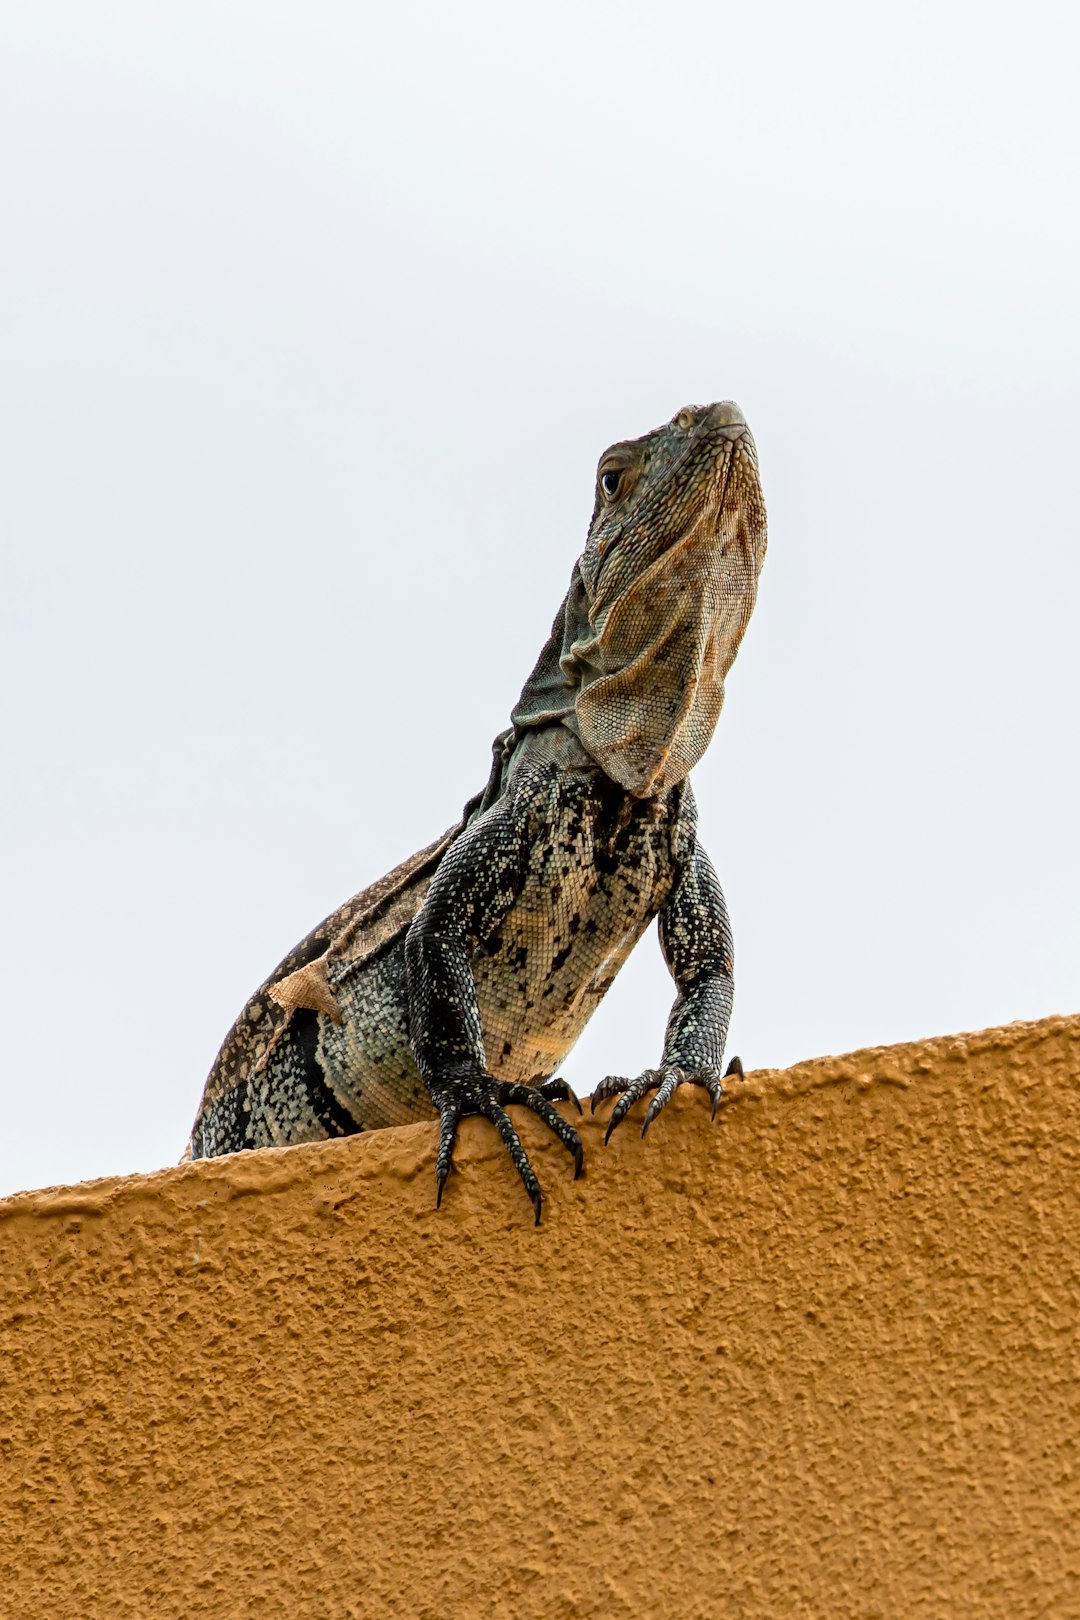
x=819 y=1359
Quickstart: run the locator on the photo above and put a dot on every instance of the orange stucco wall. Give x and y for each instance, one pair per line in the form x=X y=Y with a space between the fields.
x=819 y=1359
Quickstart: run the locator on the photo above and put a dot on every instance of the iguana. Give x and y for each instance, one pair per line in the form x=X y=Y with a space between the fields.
x=458 y=983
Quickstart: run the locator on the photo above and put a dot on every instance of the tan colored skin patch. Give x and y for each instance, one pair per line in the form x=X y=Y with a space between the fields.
x=308 y=987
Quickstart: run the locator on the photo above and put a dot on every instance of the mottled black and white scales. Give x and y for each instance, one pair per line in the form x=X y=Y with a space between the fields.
x=460 y=984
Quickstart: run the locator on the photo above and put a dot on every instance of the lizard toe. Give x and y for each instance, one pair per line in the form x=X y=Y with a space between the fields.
x=558 y=1091
x=612 y=1085
x=534 y=1098
x=449 y=1117
x=666 y=1090
x=632 y=1092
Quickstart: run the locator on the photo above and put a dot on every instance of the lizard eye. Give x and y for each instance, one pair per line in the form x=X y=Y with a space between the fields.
x=609 y=483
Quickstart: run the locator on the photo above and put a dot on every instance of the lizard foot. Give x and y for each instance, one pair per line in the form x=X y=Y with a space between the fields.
x=664 y=1081
x=482 y=1094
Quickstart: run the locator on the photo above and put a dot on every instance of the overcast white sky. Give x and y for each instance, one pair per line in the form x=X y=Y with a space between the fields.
x=315 y=319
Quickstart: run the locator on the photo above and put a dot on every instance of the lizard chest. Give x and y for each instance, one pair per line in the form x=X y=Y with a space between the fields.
x=601 y=866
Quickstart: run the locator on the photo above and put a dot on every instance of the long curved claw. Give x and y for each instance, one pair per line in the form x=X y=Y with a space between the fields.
x=632 y=1092
x=619 y=1113
x=558 y=1091
x=536 y=1098
x=512 y=1143
x=479 y=1093
x=449 y=1119
x=715 y=1086
x=665 y=1082
x=612 y=1085
x=713 y=1083
x=666 y=1091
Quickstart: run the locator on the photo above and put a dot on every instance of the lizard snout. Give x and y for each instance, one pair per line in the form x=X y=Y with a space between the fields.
x=727 y=415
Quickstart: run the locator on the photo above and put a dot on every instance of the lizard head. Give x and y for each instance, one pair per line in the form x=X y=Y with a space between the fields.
x=669 y=575
x=698 y=470
x=659 y=600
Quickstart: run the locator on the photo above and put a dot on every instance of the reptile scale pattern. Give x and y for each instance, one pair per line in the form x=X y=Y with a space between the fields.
x=459 y=982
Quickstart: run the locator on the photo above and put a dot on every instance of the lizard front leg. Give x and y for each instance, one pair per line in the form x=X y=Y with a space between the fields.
x=695 y=937
x=477 y=883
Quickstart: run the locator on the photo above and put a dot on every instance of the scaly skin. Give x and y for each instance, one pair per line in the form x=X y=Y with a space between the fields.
x=458 y=984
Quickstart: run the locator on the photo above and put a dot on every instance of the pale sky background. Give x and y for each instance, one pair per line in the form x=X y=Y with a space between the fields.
x=315 y=319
